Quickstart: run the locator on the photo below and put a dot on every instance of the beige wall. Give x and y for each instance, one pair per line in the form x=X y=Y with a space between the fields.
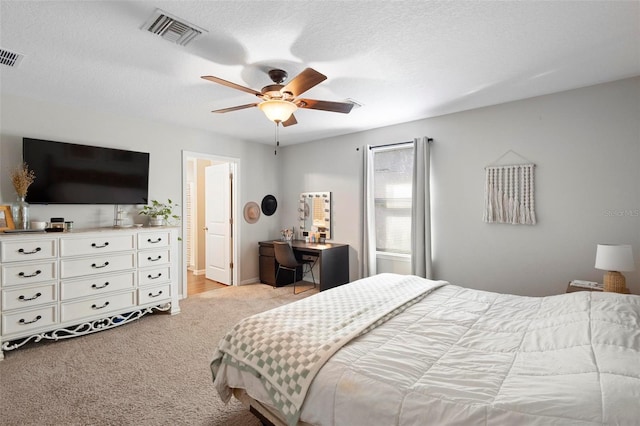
x=201 y=235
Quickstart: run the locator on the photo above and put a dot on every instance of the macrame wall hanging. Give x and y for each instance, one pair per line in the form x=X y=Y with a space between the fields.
x=509 y=194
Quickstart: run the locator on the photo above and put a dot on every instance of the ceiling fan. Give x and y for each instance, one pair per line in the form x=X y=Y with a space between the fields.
x=280 y=101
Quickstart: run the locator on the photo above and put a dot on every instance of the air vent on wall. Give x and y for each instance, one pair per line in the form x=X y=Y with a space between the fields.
x=10 y=59
x=171 y=28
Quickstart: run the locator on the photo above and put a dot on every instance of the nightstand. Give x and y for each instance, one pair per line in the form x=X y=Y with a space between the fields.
x=573 y=289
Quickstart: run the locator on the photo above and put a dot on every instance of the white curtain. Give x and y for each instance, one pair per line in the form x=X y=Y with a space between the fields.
x=421 y=210
x=369 y=228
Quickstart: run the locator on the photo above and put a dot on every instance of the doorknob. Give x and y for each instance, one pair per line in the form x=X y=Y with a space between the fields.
x=205 y=229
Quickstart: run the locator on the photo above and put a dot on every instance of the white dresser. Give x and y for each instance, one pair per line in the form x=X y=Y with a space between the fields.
x=60 y=285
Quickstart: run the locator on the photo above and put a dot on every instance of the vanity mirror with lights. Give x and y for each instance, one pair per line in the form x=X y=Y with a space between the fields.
x=315 y=212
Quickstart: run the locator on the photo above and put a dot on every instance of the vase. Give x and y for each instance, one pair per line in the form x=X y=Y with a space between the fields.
x=21 y=214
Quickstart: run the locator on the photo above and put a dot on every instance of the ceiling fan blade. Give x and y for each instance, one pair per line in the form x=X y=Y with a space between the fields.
x=303 y=82
x=230 y=84
x=235 y=108
x=343 y=107
x=290 y=121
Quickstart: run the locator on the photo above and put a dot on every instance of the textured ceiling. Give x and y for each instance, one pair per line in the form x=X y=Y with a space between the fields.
x=402 y=60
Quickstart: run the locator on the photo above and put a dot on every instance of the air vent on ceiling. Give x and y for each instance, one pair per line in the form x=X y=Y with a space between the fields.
x=171 y=28
x=10 y=59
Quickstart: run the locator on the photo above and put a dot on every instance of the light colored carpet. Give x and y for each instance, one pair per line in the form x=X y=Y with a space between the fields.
x=154 y=371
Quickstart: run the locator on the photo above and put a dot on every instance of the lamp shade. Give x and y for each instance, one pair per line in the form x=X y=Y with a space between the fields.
x=610 y=257
x=277 y=110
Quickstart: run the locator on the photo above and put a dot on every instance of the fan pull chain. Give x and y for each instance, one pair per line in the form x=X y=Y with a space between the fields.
x=275 y=151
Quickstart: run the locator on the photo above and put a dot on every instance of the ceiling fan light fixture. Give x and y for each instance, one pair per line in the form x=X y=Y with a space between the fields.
x=278 y=110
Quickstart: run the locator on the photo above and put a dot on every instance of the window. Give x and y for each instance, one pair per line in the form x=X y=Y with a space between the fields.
x=393 y=171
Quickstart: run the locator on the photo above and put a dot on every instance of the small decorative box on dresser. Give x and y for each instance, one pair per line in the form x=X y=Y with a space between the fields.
x=80 y=282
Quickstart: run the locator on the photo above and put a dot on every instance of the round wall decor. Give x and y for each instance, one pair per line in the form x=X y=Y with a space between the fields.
x=251 y=212
x=269 y=205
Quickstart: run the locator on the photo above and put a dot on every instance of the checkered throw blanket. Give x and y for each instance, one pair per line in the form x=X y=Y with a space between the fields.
x=285 y=347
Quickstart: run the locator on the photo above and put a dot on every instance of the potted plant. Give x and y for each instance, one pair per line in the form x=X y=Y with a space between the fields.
x=160 y=213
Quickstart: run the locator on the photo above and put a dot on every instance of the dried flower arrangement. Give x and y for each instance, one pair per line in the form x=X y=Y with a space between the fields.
x=22 y=177
x=286 y=234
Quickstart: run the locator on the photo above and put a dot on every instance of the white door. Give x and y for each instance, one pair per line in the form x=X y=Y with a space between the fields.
x=218 y=223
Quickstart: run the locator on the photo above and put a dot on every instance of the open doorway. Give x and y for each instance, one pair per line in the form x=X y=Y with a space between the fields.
x=209 y=192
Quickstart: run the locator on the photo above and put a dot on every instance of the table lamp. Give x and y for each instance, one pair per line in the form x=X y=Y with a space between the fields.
x=613 y=259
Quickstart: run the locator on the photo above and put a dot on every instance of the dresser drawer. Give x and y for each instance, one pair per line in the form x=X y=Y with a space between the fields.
x=153 y=239
x=153 y=258
x=23 y=322
x=96 y=286
x=154 y=276
x=28 y=273
x=266 y=251
x=95 y=245
x=96 y=265
x=26 y=297
x=95 y=307
x=15 y=251
x=157 y=294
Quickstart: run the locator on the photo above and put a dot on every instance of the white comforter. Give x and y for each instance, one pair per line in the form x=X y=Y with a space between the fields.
x=470 y=357
x=285 y=347
x=466 y=357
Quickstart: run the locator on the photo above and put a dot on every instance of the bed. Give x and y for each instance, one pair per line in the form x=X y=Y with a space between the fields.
x=402 y=350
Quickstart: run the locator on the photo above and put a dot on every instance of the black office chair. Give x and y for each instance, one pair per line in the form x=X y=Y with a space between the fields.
x=287 y=260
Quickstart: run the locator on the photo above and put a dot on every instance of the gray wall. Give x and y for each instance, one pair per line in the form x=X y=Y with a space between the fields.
x=20 y=117
x=585 y=142
x=586 y=146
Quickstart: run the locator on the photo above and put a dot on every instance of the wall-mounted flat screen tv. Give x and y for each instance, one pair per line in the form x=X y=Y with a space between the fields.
x=69 y=173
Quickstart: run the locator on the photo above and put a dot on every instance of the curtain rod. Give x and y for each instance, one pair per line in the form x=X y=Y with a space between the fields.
x=397 y=143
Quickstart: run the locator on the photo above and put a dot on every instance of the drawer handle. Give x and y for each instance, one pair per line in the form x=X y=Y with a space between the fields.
x=98 y=287
x=155 y=295
x=154 y=260
x=94 y=245
x=149 y=240
x=23 y=322
x=94 y=306
x=93 y=265
x=156 y=277
x=36 y=273
x=34 y=251
x=26 y=299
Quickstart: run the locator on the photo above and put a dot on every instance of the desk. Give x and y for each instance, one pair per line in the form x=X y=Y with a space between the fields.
x=333 y=263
